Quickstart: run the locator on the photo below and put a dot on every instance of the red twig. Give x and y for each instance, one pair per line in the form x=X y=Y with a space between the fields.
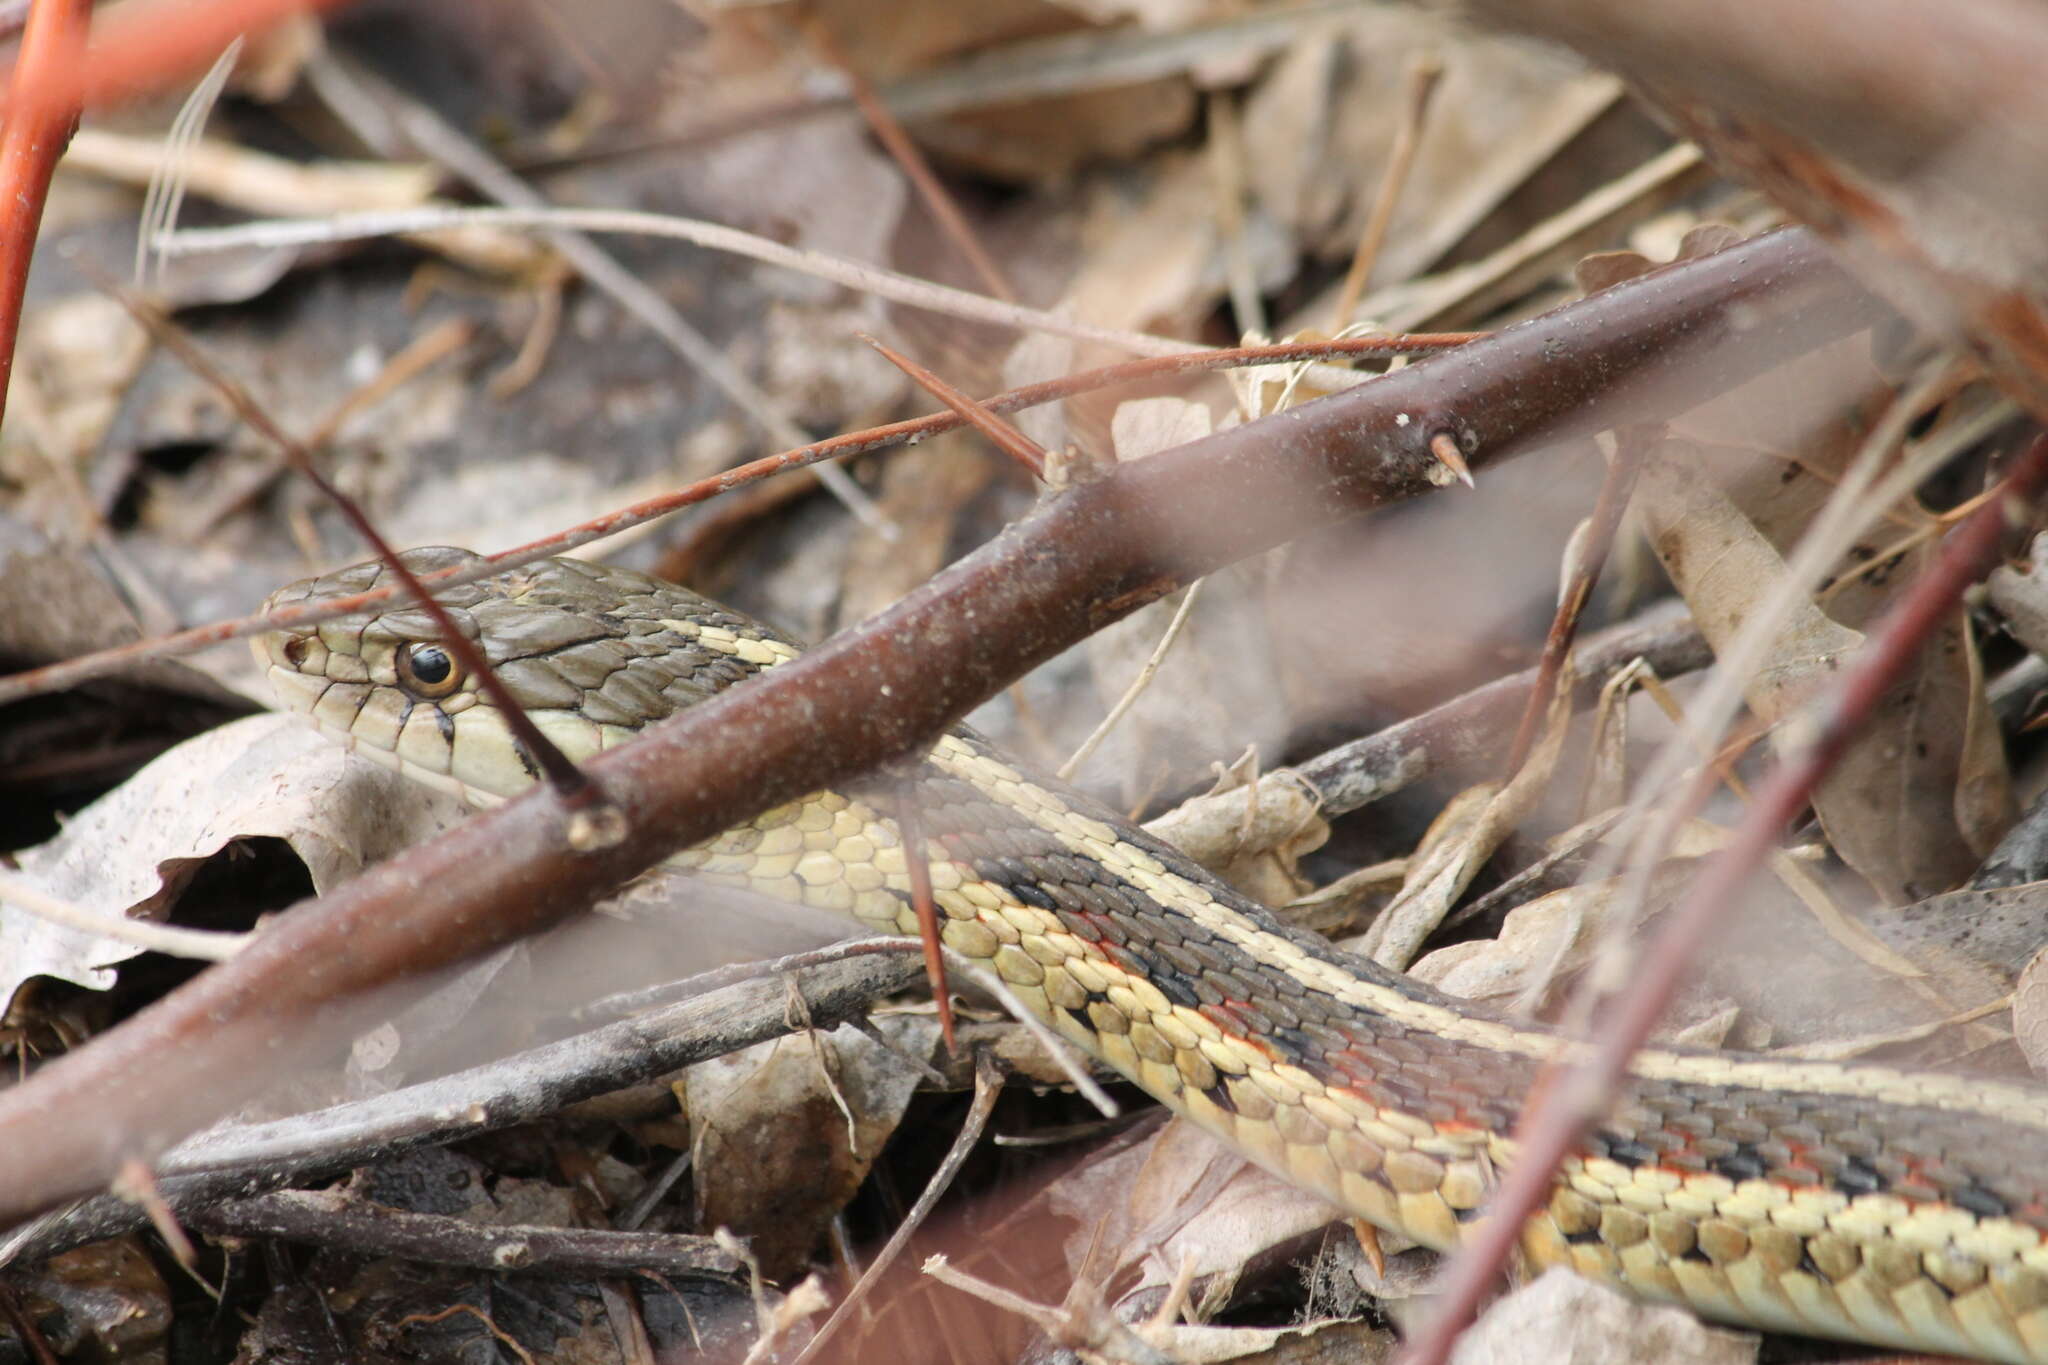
x=1005 y=437
x=41 y=112
x=917 y=862
x=147 y=45
x=1554 y=1124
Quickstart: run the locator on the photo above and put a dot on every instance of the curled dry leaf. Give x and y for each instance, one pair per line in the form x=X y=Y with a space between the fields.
x=1886 y=979
x=1726 y=568
x=1177 y=1198
x=1253 y=835
x=133 y=850
x=1918 y=799
x=1539 y=943
x=1987 y=934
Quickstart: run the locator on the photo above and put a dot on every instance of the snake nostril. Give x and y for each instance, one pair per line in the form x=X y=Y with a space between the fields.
x=295 y=650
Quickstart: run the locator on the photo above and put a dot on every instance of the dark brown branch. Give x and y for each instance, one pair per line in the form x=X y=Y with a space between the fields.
x=1637 y=352
x=332 y=1218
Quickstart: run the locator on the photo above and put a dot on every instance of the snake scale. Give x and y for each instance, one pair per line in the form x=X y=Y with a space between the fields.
x=1852 y=1201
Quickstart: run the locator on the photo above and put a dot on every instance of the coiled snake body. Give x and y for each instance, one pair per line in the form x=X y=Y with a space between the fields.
x=1850 y=1201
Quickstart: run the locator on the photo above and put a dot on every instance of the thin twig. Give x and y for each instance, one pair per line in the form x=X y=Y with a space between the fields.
x=889 y=132
x=869 y=279
x=988 y=1086
x=1004 y=436
x=498 y=1333
x=576 y=792
x=917 y=866
x=1081 y=1322
x=1062 y=1053
x=1226 y=163
x=25 y=1330
x=1425 y=69
x=634 y=1214
x=448 y=146
x=749 y=1006
x=205 y=945
x=1865 y=493
x=166 y=192
x=1138 y=684
x=136 y=1183
x=338 y=1219
x=413 y=359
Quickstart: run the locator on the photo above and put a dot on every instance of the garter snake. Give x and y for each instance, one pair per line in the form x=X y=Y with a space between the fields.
x=1851 y=1201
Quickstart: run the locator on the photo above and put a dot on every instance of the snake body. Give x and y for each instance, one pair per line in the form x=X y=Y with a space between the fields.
x=1852 y=1201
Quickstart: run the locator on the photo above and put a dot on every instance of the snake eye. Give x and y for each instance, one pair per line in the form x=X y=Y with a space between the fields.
x=427 y=671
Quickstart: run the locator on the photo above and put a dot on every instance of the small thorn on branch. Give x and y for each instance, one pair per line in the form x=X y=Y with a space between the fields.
x=1444 y=446
x=1007 y=438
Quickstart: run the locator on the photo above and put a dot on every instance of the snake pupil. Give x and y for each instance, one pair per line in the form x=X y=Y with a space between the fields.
x=430 y=666
x=427 y=670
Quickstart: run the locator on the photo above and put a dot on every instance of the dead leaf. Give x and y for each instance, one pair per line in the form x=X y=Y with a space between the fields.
x=785 y=1131
x=104 y=1301
x=1725 y=568
x=1176 y=1198
x=130 y=852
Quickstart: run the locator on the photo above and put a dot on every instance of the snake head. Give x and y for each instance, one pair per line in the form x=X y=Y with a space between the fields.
x=592 y=653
